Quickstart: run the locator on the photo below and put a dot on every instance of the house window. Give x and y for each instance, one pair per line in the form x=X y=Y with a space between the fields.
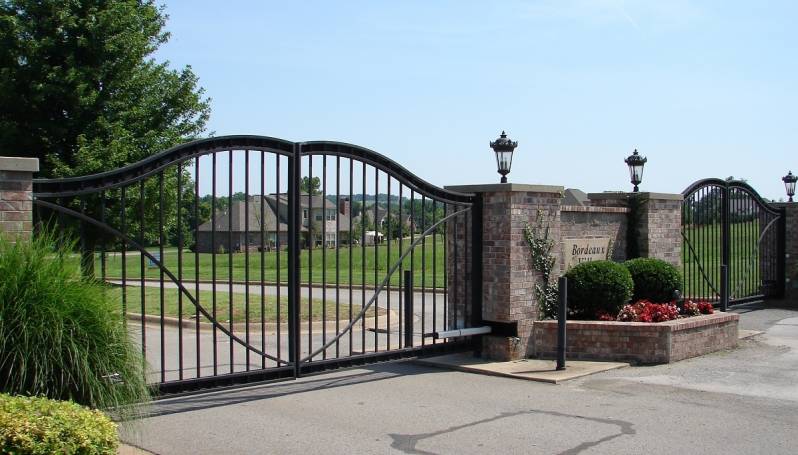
x=319 y=217
x=305 y=214
x=330 y=215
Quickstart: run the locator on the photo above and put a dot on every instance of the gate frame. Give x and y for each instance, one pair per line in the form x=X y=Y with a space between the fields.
x=153 y=166
x=780 y=224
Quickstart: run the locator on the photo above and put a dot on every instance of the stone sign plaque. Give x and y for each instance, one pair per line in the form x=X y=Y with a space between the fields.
x=576 y=251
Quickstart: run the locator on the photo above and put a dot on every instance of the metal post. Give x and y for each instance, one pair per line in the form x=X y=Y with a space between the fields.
x=294 y=175
x=724 y=287
x=562 y=315
x=725 y=240
x=408 y=298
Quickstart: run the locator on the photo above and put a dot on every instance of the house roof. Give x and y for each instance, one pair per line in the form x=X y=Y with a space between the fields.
x=273 y=218
x=237 y=214
x=305 y=200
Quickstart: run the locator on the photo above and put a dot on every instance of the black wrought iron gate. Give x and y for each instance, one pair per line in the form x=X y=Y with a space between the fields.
x=733 y=248
x=247 y=258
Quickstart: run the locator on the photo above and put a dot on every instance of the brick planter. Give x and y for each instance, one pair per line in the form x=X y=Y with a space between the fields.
x=639 y=342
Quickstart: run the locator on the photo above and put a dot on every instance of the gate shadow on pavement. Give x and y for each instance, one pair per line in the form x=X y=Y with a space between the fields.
x=264 y=391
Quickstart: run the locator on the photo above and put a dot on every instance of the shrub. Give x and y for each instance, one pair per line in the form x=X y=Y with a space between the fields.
x=33 y=425
x=645 y=311
x=63 y=337
x=655 y=280
x=597 y=287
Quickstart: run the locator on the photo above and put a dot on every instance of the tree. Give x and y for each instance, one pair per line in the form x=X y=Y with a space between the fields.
x=79 y=88
x=310 y=186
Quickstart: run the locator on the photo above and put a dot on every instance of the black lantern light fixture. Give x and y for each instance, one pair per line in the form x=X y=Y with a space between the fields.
x=789 y=184
x=504 y=147
x=636 y=163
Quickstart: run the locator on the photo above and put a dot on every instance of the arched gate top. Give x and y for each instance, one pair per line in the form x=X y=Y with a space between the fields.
x=729 y=184
x=71 y=186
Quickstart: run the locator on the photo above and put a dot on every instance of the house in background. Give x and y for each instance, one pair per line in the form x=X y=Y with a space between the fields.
x=382 y=218
x=239 y=228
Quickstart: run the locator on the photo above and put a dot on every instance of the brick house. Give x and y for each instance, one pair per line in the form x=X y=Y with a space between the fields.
x=318 y=218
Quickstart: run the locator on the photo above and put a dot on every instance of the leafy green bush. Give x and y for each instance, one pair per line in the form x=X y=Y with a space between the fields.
x=654 y=279
x=598 y=288
x=33 y=425
x=63 y=337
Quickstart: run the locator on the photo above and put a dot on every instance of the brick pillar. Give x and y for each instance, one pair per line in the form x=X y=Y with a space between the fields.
x=16 y=196
x=508 y=280
x=791 y=251
x=660 y=230
x=659 y=222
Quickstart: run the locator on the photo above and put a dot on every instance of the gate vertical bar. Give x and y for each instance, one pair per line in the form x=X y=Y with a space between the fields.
x=230 y=299
x=294 y=177
x=246 y=255
x=725 y=244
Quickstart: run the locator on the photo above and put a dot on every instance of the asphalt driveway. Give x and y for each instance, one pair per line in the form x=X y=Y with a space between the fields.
x=741 y=401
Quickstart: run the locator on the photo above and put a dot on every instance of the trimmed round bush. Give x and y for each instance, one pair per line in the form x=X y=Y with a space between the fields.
x=655 y=280
x=35 y=425
x=63 y=336
x=598 y=288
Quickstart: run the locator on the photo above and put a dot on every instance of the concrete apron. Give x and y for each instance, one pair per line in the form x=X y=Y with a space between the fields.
x=544 y=370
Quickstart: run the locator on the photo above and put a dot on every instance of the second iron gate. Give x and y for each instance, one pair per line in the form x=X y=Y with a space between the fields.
x=733 y=249
x=245 y=258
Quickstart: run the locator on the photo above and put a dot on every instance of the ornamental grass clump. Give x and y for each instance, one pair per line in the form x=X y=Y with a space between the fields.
x=62 y=336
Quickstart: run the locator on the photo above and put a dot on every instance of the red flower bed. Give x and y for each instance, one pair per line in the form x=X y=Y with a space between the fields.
x=691 y=308
x=645 y=311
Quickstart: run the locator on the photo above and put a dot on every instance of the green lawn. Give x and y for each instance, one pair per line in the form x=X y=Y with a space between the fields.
x=744 y=258
x=312 y=264
x=171 y=305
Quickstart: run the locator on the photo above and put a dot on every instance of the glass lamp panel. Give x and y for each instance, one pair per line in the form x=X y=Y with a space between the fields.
x=636 y=173
x=790 y=186
x=504 y=160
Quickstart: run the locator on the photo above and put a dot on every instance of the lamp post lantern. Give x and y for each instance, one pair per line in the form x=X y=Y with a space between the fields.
x=789 y=184
x=636 y=163
x=504 y=147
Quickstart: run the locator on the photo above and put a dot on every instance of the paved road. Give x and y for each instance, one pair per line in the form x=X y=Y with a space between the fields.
x=428 y=302
x=313 y=337
x=735 y=402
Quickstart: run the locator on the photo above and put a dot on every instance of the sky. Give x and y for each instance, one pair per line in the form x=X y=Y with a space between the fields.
x=701 y=88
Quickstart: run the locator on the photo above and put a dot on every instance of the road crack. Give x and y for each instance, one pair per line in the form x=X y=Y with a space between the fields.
x=408 y=443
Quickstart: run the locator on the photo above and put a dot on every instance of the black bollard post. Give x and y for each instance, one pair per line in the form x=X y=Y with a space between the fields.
x=562 y=315
x=724 y=287
x=408 y=291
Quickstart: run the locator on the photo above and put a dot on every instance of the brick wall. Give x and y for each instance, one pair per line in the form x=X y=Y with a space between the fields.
x=791 y=251
x=16 y=196
x=659 y=222
x=588 y=222
x=459 y=273
x=637 y=342
x=507 y=275
x=508 y=279
x=659 y=232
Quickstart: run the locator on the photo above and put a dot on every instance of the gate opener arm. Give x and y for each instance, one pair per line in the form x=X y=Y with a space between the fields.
x=459 y=332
